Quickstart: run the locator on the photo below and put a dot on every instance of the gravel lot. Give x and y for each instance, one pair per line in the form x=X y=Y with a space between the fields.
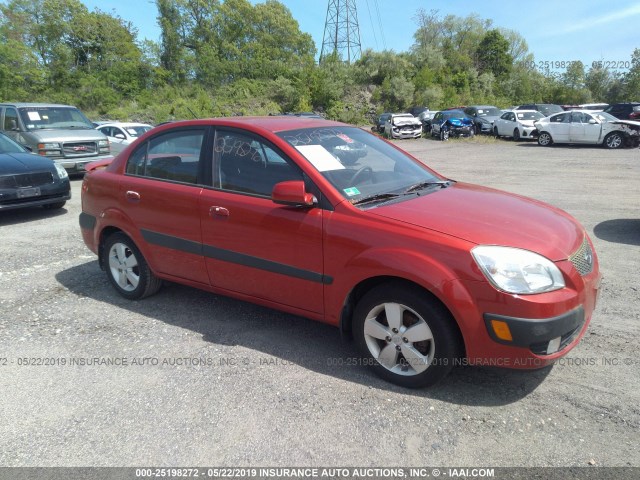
x=270 y=389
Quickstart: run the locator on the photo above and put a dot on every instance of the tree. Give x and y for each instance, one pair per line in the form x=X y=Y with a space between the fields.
x=493 y=55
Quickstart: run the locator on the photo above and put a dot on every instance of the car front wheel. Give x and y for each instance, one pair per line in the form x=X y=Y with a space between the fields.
x=127 y=269
x=614 y=140
x=516 y=135
x=407 y=338
x=545 y=139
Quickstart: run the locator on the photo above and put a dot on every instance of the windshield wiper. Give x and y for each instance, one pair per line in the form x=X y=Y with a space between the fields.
x=422 y=185
x=376 y=197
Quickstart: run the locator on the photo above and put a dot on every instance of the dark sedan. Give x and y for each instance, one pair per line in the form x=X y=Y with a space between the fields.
x=28 y=180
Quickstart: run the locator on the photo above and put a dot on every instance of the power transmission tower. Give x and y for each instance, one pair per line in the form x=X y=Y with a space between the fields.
x=341 y=31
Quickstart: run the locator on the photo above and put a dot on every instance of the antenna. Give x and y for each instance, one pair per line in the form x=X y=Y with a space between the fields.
x=341 y=31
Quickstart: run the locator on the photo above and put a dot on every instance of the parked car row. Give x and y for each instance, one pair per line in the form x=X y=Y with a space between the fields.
x=614 y=127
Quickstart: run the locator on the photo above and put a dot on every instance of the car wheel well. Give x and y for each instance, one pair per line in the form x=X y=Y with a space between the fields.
x=361 y=289
x=104 y=234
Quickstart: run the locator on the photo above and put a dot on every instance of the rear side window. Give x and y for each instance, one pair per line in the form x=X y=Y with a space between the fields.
x=173 y=156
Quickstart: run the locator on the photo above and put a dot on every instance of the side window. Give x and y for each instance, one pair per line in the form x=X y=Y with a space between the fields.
x=561 y=118
x=10 y=119
x=173 y=156
x=245 y=164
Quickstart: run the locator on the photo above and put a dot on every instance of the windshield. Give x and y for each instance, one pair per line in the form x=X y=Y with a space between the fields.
x=55 y=118
x=359 y=165
x=454 y=114
x=137 y=130
x=489 y=112
x=529 y=115
x=605 y=117
x=9 y=146
x=550 y=109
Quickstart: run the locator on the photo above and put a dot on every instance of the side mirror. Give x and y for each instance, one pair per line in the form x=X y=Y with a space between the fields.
x=292 y=193
x=592 y=122
x=120 y=136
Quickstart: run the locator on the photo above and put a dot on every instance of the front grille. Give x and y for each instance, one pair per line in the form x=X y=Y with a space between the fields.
x=26 y=180
x=79 y=149
x=582 y=259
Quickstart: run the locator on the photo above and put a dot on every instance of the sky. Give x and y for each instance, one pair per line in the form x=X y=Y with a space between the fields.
x=555 y=30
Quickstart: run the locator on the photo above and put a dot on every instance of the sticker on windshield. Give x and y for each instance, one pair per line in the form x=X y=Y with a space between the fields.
x=351 y=191
x=320 y=157
x=34 y=116
x=344 y=137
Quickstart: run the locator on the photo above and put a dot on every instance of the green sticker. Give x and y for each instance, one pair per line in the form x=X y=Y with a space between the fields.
x=351 y=191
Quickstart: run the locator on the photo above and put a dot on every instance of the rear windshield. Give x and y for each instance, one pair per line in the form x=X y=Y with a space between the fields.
x=56 y=118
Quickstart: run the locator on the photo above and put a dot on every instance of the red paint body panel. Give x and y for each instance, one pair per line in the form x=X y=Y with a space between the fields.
x=425 y=240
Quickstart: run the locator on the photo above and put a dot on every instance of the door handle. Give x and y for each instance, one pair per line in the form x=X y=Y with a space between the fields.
x=132 y=196
x=218 y=211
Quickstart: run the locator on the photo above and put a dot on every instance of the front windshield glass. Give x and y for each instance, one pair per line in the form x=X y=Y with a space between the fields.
x=9 y=146
x=529 y=115
x=489 y=112
x=550 y=109
x=137 y=130
x=54 y=118
x=605 y=117
x=359 y=165
x=454 y=114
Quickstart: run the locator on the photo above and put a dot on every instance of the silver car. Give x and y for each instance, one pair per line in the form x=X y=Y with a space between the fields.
x=403 y=125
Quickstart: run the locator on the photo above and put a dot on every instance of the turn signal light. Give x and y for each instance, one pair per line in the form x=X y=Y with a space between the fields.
x=501 y=329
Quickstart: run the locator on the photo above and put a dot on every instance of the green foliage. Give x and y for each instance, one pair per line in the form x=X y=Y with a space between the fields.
x=237 y=57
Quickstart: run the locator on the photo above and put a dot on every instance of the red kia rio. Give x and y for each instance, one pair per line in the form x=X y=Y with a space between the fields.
x=326 y=221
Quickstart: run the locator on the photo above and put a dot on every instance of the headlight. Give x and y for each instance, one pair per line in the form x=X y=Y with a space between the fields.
x=62 y=173
x=517 y=271
x=103 y=143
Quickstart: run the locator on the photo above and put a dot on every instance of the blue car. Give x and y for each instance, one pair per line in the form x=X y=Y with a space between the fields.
x=28 y=180
x=454 y=123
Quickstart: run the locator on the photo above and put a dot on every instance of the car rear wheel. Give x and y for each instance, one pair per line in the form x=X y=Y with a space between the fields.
x=127 y=269
x=545 y=139
x=406 y=337
x=614 y=140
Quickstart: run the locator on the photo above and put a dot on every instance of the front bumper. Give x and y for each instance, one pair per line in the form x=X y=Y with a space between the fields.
x=484 y=127
x=78 y=165
x=543 y=336
x=528 y=132
x=404 y=132
x=461 y=131
x=47 y=194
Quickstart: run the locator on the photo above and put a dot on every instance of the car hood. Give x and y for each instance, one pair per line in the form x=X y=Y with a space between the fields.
x=486 y=216
x=527 y=123
x=406 y=121
x=68 y=135
x=15 y=163
x=633 y=123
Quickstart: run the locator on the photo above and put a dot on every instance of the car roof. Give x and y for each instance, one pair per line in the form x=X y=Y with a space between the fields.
x=272 y=124
x=25 y=104
x=123 y=124
x=513 y=110
x=482 y=106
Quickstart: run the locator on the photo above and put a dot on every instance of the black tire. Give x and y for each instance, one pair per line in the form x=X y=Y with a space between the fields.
x=545 y=139
x=614 y=140
x=495 y=132
x=516 y=135
x=54 y=206
x=444 y=134
x=438 y=351
x=135 y=281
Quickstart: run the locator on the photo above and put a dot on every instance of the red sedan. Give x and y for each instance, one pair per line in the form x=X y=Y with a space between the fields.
x=327 y=221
